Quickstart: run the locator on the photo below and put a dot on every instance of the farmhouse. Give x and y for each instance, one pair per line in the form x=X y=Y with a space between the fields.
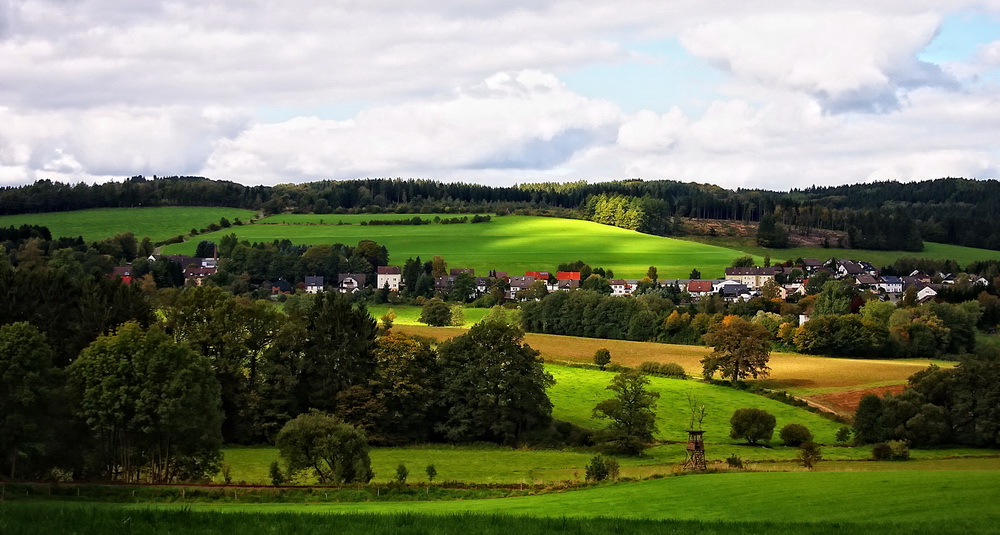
x=197 y=274
x=751 y=277
x=350 y=282
x=125 y=272
x=517 y=284
x=390 y=276
x=620 y=287
x=314 y=284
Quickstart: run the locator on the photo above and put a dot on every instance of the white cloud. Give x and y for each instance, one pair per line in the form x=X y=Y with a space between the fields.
x=846 y=60
x=526 y=120
x=471 y=91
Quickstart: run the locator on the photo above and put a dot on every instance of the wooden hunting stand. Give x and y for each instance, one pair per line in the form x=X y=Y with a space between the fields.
x=695 y=451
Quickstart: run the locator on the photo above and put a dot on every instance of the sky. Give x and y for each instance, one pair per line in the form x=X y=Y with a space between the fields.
x=763 y=94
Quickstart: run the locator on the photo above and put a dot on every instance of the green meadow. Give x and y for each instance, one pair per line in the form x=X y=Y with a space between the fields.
x=773 y=502
x=159 y=223
x=510 y=243
x=577 y=390
x=410 y=315
x=963 y=255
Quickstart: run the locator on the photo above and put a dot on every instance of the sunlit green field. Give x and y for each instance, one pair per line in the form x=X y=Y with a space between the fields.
x=514 y=244
x=577 y=391
x=941 y=251
x=410 y=315
x=159 y=223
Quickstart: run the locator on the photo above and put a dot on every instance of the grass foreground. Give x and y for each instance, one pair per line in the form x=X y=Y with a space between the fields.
x=796 y=502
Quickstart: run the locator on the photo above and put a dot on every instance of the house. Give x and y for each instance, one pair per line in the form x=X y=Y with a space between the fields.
x=567 y=275
x=620 y=287
x=912 y=281
x=891 y=284
x=869 y=268
x=444 y=284
x=389 y=275
x=517 y=284
x=350 y=282
x=280 y=286
x=198 y=274
x=921 y=276
x=454 y=272
x=865 y=280
x=810 y=265
x=848 y=269
x=926 y=294
x=751 y=277
x=790 y=289
x=124 y=272
x=564 y=285
x=314 y=284
x=700 y=288
x=735 y=292
x=538 y=275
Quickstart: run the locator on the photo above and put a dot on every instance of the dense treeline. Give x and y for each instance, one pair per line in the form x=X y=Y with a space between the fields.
x=960 y=405
x=881 y=215
x=104 y=380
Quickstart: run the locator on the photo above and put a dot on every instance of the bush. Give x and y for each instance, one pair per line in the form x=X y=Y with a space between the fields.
x=601 y=468
x=881 y=452
x=734 y=461
x=402 y=473
x=809 y=454
x=672 y=369
x=795 y=435
x=844 y=434
x=602 y=358
x=900 y=450
x=894 y=450
x=752 y=425
x=649 y=368
x=277 y=478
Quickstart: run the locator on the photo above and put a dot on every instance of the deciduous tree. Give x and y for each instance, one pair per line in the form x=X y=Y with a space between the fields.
x=632 y=414
x=740 y=349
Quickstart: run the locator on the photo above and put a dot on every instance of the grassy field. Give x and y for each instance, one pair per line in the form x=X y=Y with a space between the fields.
x=158 y=223
x=36 y=518
x=577 y=391
x=511 y=243
x=410 y=315
x=962 y=255
x=800 y=374
x=791 y=502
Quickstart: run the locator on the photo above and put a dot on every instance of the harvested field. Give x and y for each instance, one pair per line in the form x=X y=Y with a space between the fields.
x=846 y=402
x=804 y=375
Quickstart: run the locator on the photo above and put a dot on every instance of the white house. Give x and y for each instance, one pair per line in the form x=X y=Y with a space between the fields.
x=389 y=275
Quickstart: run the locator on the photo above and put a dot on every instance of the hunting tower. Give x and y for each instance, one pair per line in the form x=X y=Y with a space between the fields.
x=695 y=451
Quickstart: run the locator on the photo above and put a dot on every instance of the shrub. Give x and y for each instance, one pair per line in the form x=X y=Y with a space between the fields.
x=752 y=425
x=734 y=461
x=900 y=450
x=602 y=358
x=431 y=472
x=649 y=368
x=277 y=478
x=401 y=473
x=809 y=454
x=795 y=435
x=601 y=468
x=881 y=452
x=844 y=434
x=672 y=369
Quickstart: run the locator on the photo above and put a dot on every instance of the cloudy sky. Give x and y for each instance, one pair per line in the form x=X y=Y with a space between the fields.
x=740 y=94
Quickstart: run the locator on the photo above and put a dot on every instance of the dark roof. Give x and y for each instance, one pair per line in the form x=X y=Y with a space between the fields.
x=456 y=271
x=865 y=279
x=282 y=285
x=200 y=272
x=389 y=270
x=812 y=262
x=521 y=282
x=314 y=280
x=358 y=277
x=122 y=271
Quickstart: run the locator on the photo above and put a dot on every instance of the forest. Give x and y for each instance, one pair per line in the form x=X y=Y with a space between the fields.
x=879 y=215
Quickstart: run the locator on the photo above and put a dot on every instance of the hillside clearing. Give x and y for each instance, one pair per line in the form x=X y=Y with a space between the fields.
x=514 y=244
